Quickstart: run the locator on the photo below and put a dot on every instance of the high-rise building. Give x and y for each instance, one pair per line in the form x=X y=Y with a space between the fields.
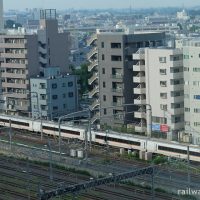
x=159 y=83
x=112 y=80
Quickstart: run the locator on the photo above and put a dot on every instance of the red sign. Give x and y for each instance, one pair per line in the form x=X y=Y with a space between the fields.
x=164 y=128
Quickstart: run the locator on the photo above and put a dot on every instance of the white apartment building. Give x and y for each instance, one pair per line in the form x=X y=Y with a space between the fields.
x=191 y=55
x=159 y=79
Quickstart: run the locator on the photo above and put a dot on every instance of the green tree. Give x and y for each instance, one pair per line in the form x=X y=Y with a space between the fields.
x=84 y=75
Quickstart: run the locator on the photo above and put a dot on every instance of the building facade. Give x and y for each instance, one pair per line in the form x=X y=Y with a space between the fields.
x=54 y=94
x=19 y=61
x=53 y=46
x=112 y=79
x=159 y=83
x=191 y=55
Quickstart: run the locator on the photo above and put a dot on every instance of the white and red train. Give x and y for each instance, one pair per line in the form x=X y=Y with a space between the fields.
x=127 y=141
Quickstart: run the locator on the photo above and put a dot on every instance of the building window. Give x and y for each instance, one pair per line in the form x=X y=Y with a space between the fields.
x=54 y=97
x=196 y=83
x=197 y=97
x=187 y=109
x=64 y=105
x=104 y=84
x=196 y=110
x=196 y=123
x=63 y=84
x=43 y=107
x=70 y=94
x=104 y=111
x=116 y=45
x=163 y=83
x=70 y=84
x=163 y=95
x=55 y=107
x=42 y=86
x=186 y=69
x=43 y=97
x=185 y=56
x=116 y=58
x=54 y=86
x=103 y=71
x=196 y=69
x=103 y=57
x=163 y=107
x=104 y=97
x=102 y=44
x=64 y=96
x=163 y=71
x=162 y=59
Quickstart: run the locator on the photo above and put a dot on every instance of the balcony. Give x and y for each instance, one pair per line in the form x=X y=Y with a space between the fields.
x=95 y=118
x=93 y=78
x=138 y=67
x=139 y=55
x=92 y=65
x=42 y=60
x=140 y=114
x=92 y=39
x=117 y=90
x=94 y=91
x=16 y=95
x=42 y=50
x=14 y=85
x=23 y=108
x=140 y=127
x=119 y=118
x=93 y=52
x=14 y=75
x=95 y=104
x=139 y=90
x=13 y=45
x=14 y=65
x=117 y=77
x=139 y=100
x=118 y=103
x=139 y=79
x=13 y=55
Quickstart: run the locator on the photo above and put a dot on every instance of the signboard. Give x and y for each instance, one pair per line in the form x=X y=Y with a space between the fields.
x=164 y=128
x=155 y=127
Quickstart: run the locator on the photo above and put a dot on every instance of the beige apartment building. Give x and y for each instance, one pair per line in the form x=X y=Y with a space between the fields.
x=159 y=79
x=26 y=55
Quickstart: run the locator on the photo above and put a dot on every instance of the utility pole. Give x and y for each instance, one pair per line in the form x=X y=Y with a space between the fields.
x=188 y=165
x=86 y=144
x=50 y=161
x=152 y=184
x=10 y=135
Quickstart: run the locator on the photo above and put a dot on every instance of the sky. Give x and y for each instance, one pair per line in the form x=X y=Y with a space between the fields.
x=84 y=4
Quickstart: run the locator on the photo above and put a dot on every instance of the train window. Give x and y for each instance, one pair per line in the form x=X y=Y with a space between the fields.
x=117 y=140
x=19 y=123
x=4 y=120
x=181 y=151
x=62 y=130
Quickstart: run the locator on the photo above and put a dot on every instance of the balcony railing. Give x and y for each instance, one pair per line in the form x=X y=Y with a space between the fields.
x=93 y=78
x=92 y=65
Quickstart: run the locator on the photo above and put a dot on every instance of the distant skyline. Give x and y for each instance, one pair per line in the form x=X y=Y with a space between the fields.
x=101 y=4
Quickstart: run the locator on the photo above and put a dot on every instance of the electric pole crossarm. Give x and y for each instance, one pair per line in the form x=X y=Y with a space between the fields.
x=91 y=184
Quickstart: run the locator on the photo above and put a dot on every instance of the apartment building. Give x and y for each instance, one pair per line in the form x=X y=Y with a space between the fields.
x=56 y=94
x=112 y=79
x=191 y=60
x=159 y=90
x=26 y=55
x=19 y=61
